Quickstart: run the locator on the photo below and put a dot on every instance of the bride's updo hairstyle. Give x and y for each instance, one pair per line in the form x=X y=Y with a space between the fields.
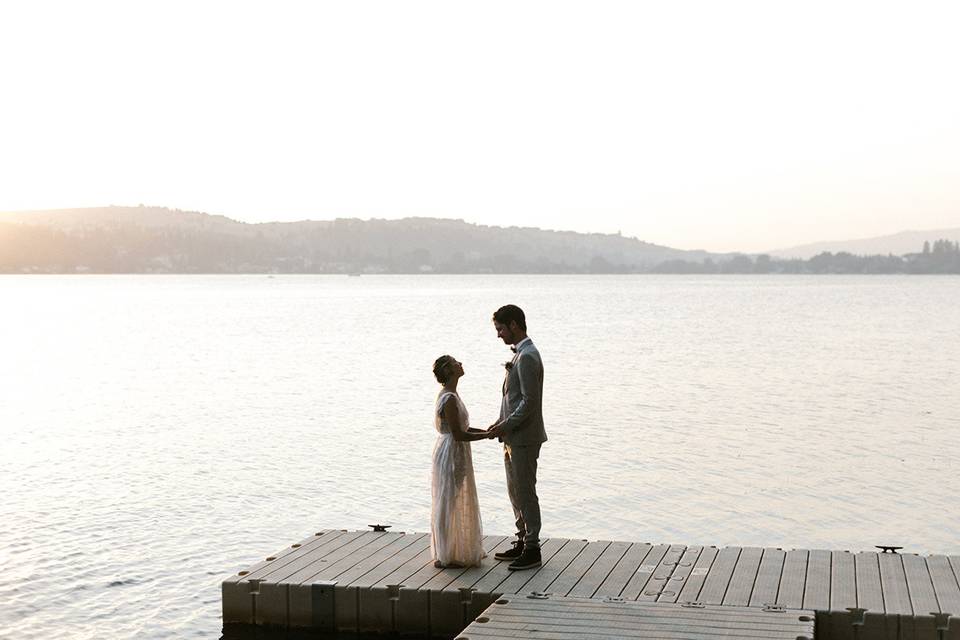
x=440 y=368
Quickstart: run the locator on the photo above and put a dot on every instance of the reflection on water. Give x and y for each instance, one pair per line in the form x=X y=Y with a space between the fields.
x=162 y=432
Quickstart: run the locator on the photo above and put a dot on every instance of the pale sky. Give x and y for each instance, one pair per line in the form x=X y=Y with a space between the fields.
x=716 y=125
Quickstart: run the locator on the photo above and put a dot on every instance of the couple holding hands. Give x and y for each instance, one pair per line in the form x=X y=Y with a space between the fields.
x=455 y=524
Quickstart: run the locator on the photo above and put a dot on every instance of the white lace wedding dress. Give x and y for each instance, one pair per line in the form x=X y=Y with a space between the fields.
x=455 y=526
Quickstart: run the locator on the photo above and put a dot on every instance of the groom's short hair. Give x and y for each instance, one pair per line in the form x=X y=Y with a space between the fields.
x=510 y=313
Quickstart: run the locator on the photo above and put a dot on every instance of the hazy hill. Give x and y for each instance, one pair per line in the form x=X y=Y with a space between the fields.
x=897 y=244
x=160 y=240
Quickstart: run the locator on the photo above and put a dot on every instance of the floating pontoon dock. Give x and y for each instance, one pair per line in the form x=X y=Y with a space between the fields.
x=380 y=582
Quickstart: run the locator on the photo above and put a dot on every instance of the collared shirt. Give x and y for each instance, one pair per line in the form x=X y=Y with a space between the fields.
x=516 y=347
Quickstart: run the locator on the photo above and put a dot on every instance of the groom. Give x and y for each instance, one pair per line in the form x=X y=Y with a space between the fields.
x=520 y=428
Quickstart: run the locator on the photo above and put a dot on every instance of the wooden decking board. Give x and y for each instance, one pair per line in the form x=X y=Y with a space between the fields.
x=792 y=579
x=420 y=545
x=623 y=570
x=698 y=575
x=331 y=567
x=473 y=575
x=893 y=581
x=354 y=576
x=643 y=573
x=551 y=569
x=617 y=612
x=923 y=598
x=843 y=581
x=578 y=567
x=446 y=576
x=662 y=574
x=296 y=561
x=386 y=582
x=292 y=553
x=301 y=546
x=571 y=619
x=945 y=584
x=768 y=578
x=869 y=591
x=579 y=606
x=671 y=590
x=591 y=580
x=502 y=580
x=718 y=579
x=744 y=577
x=400 y=574
x=816 y=592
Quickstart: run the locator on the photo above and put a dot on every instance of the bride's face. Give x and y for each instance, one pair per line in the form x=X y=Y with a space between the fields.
x=456 y=368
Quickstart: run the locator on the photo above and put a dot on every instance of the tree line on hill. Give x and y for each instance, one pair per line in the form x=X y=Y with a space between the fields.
x=159 y=240
x=943 y=256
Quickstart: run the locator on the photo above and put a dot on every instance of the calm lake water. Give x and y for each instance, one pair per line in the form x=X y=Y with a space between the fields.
x=160 y=433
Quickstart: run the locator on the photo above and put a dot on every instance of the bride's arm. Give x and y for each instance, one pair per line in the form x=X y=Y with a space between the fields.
x=451 y=413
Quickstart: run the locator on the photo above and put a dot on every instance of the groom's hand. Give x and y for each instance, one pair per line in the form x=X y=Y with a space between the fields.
x=495 y=431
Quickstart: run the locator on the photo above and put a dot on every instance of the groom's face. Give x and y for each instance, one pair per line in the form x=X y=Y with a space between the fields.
x=507 y=333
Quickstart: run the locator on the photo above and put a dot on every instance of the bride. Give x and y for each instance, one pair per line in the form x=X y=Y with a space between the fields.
x=455 y=527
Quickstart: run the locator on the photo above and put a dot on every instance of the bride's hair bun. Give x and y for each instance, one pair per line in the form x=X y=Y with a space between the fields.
x=440 y=368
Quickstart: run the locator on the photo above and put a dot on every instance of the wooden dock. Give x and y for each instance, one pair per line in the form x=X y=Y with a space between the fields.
x=514 y=617
x=372 y=581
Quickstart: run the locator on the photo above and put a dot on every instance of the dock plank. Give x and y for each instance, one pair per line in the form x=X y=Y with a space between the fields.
x=671 y=591
x=744 y=577
x=869 y=590
x=354 y=575
x=698 y=575
x=893 y=581
x=623 y=570
x=843 y=579
x=793 y=579
x=579 y=566
x=768 y=578
x=816 y=592
x=501 y=580
x=572 y=618
x=923 y=598
x=551 y=570
x=643 y=573
x=285 y=554
x=662 y=574
x=945 y=584
x=591 y=580
x=718 y=579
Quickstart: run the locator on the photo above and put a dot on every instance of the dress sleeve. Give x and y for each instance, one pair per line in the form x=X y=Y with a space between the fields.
x=442 y=402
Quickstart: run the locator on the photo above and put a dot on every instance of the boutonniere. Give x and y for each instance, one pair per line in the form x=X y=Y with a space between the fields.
x=508 y=365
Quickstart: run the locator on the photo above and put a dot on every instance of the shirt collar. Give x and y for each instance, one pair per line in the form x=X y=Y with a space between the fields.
x=520 y=344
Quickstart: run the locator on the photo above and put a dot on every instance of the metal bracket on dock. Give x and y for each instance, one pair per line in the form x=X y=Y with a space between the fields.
x=466 y=595
x=613 y=599
x=538 y=595
x=885 y=548
x=942 y=620
x=693 y=605
x=771 y=607
x=393 y=595
x=380 y=528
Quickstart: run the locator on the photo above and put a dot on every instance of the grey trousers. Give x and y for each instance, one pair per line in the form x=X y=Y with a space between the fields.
x=521 y=466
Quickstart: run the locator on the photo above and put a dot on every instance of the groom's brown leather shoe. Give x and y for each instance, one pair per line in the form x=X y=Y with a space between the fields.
x=511 y=554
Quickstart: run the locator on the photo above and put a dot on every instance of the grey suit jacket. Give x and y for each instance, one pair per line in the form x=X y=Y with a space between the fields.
x=521 y=410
